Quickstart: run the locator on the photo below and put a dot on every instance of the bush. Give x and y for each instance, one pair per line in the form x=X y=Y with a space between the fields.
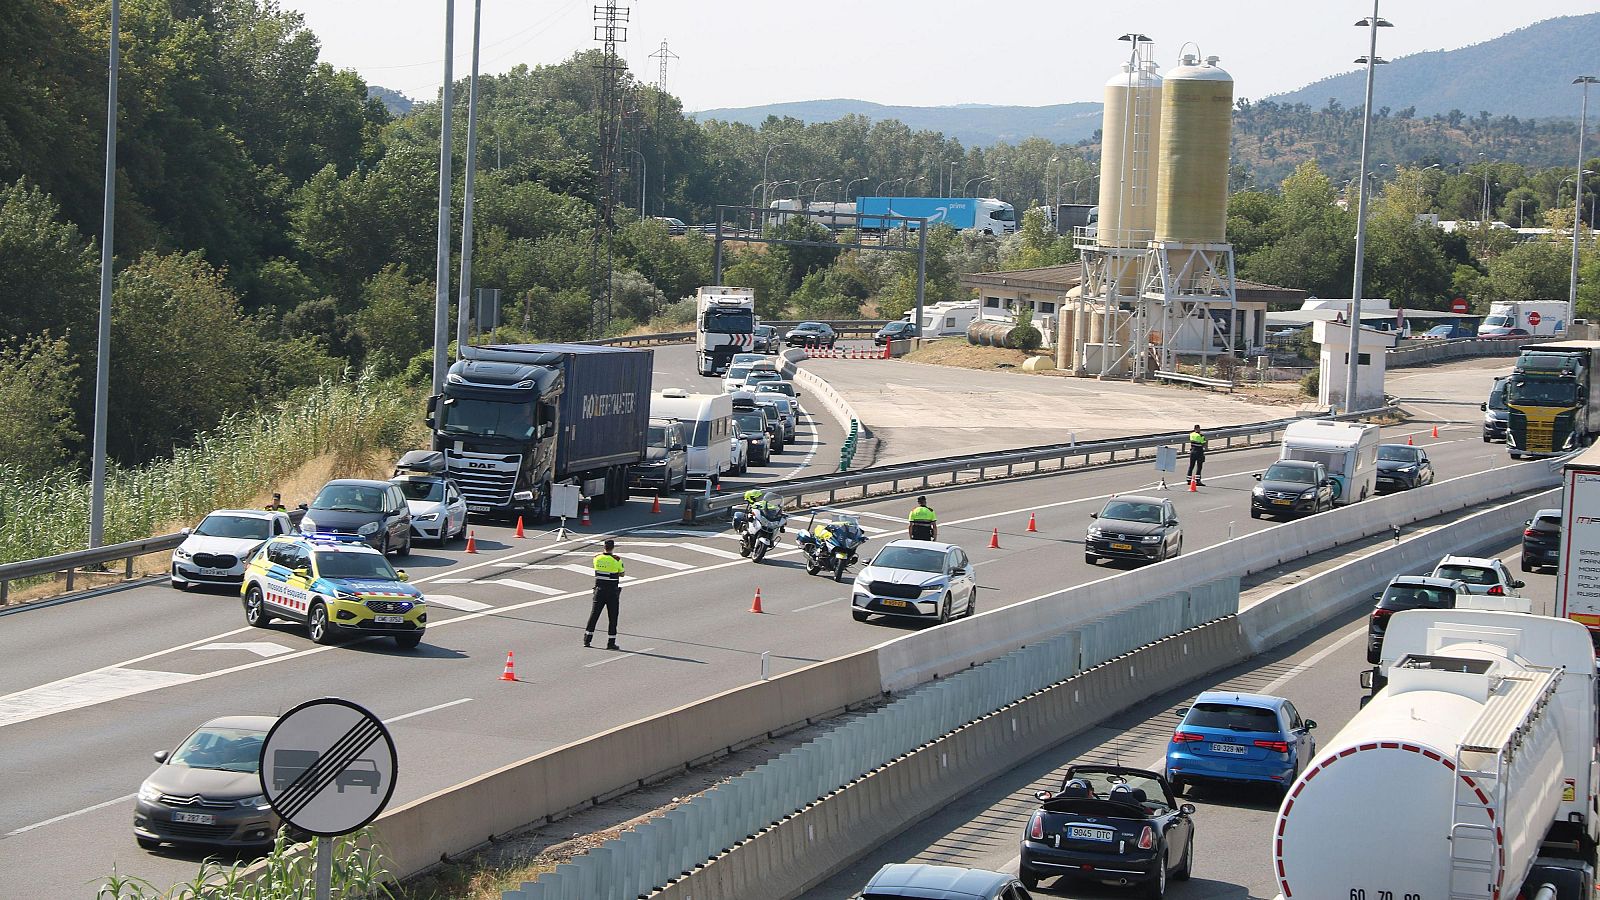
x=1311 y=384
x=358 y=871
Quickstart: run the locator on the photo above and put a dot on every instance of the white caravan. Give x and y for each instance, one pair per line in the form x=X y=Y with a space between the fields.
x=707 y=422
x=1349 y=451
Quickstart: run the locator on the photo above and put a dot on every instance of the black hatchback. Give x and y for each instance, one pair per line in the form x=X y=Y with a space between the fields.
x=1541 y=540
x=1408 y=592
x=895 y=331
x=811 y=334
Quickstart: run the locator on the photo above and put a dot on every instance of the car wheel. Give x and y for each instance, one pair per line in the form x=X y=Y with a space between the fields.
x=1186 y=868
x=408 y=641
x=146 y=843
x=1178 y=550
x=405 y=549
x=1090 y=558
x=1255 y=513
x=1156 y=888
x=255 y=611
x=1178 y=785
x=318 y=626
x=179 y=585
x=1526 y=566
x=860 y=615
x=944 y=609
x=383 y=545
x=1515 y=455
x=1030 y=880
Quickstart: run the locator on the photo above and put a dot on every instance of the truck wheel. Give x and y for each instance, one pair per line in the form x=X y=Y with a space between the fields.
x=1515 y=455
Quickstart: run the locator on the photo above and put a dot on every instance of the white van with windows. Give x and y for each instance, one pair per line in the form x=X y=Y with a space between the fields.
x=707 y=423
x=1348 y=450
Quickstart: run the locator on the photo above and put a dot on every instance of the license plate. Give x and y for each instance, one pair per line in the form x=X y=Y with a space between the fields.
x=1232 y=749
x=477 y=507
x=1283 y=503
x=388 y=620
x=893 y=602
x=215 y=573
x=194 y=818
x=1079 y=833
x=1122 y=546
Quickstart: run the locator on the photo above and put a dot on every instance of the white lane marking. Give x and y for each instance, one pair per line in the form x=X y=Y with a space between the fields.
x=815 y=443
x=455 y=581
x=657 y=561
x=710 y=551
x=815 y=605
x=611 y=659
x=261 y=648
x=87 y=689
x=64 y=816
x=423 y=712
x=526 y=586
x=873 y=529
x=451 y=601
x=1317 y=657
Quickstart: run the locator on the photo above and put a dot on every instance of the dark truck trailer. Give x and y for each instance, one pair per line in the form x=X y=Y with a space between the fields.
x=516 y=419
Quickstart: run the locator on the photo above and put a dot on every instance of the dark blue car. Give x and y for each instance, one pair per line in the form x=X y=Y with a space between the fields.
x=1228 y=737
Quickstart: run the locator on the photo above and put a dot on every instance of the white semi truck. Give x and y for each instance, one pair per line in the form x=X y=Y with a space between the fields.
x=1470 y=774
x=724 y=325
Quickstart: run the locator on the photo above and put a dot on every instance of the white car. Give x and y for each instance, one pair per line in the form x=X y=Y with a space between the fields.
x=438 y=510
x=739 y=455
x=1481 y=574
x=916 y=580
x=750 y=359
x=217 y=550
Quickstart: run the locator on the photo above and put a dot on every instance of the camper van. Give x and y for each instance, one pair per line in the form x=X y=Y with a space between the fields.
x=707 y=422
x=1349 y=451
x=950 y=318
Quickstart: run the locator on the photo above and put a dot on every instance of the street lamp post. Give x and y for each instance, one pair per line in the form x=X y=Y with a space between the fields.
x=950 y=189
x=1353 y=361
x=845 y=194
x=441 y=304
x=818 y=188
x=764 y=158
x=1577 y=191
x=965 y=188
x=644 y=178
x=464 y=298
x=102 y=370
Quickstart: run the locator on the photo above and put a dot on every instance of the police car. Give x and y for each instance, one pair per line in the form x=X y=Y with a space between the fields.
x=335 y=587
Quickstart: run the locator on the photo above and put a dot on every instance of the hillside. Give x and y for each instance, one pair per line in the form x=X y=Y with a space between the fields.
x=1527 y=72
x=974 y=125
x=397 y=103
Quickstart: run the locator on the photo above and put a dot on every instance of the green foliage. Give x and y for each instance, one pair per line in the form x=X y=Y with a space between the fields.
x=1303 y=240
x=1537 y=270
x=1311 y=382
x=358 y=872
x=1024 y=336
x=395 y=321
x=38 y=382
x=1035 y=244
x=47 y=269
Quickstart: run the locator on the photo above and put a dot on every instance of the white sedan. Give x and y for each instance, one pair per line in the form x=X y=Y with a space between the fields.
x=438 y=510
x=217 y=550
x=916 y=580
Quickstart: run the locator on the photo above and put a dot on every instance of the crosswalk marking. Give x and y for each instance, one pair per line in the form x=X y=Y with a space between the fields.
x=710 y=551
x=454 y=580
x=449 y=601
x=657 y=561
x=527 y=586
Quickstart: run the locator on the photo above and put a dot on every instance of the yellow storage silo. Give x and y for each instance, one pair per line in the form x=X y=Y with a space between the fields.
x=1129 y=134
x=1192 y=184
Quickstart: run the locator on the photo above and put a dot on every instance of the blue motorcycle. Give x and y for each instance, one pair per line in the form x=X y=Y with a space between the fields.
x=832 y=546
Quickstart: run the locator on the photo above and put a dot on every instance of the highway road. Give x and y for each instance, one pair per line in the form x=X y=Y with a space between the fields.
x=96 y=684
x=1233 y=826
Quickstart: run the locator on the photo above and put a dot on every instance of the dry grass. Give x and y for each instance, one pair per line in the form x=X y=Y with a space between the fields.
x=958 y=353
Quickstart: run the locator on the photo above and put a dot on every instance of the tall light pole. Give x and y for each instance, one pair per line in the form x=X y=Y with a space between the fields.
x=879 y=191
x=950 y=183
x=968 y=185
x=1353 y=362
x=1577 y=191
x=441 y=297
x=764 y=158
x=644 y=178
x=464 y=298
x=102 y=366
x=818 y=188
x=845 y=194
x=914 y=181
x=1053 y=161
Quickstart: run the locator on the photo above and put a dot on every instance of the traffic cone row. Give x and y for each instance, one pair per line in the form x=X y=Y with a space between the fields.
x=755 y=605
x=472 y=542
x=510 y=674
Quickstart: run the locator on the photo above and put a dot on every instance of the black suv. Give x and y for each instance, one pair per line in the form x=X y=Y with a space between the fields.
x=895 y=331
x=812 y=334
x=1134 y=527
x=1408 y=592
x=1291 y=487
x=1541 y=540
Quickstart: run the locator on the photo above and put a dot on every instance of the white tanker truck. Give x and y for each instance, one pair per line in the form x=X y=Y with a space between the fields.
x=1471 y=774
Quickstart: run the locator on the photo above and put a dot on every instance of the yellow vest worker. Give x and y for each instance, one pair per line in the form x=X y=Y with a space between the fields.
x=1197 y=455
x=608 y=570
x=922 y=524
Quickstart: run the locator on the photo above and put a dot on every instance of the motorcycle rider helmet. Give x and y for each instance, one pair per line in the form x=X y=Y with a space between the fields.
x=752 y=495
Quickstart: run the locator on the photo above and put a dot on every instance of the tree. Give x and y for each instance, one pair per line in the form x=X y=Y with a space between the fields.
x=38 y=383
x=1536 y=270
x=47 y=270
x=395 y=320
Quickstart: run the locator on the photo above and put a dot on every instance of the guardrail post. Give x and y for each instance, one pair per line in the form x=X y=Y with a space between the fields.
x=69 y=579
x=128 y=571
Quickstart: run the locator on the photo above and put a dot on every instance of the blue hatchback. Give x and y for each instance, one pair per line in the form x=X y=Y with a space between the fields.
x=1239 y=738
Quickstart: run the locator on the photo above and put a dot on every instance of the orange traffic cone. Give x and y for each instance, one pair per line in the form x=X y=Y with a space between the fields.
x=585 y=519
x=755 y=605
x=1435 y=431
x=472 y=542
x=1193 y=489
x=886 y=353
x=510 y=674
x=1032 y=525
x=1408 y=440
x=655 y=507
x=519 y=527
x=994 y=540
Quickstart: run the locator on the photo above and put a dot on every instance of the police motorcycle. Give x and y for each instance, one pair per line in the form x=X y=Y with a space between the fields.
x=759 y=523
x=832 y=546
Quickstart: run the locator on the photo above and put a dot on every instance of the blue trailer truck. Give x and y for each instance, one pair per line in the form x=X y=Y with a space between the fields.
x=978 y=214
x=514 y=420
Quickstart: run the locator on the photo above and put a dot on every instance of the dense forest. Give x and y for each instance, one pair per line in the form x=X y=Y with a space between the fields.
x=276 y=224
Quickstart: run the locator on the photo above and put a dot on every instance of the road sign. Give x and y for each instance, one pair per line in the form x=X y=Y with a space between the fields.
x=328 y=767
x=1533 y=318
x=1458 y=305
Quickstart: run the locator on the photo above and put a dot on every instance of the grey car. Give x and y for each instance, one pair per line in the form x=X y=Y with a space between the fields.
x=942 y=883
x=1130 y=526
x=375 y=511
x=208 y=790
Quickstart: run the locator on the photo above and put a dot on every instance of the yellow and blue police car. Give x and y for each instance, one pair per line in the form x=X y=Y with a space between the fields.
x=334 y=588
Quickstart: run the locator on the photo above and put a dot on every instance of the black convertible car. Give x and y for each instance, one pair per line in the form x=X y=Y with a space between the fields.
x=1113 y=825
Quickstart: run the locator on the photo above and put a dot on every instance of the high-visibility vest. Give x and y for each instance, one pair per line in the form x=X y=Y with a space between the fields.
x=1196 y=439
x=923 y=514
x=607 y=569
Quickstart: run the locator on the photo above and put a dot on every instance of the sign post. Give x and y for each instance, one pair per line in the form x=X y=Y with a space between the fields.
x=328 y=767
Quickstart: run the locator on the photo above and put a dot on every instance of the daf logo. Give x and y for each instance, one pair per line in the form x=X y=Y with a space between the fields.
x=480 y=465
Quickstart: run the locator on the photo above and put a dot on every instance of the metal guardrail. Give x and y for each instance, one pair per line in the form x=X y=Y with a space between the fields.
x=72 y=561
x=852 y=327
x=921 y=474
x=1195 y=379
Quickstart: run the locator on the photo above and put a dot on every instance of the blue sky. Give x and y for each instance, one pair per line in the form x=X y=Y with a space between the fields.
x=911 y=52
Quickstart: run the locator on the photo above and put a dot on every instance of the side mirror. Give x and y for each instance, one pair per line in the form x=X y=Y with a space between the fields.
x=185 y=530
x=1376 y=597
x=1367 y=677
x=1256 y=476
x=958 y=570
x=1311 y=724
x=401 y=574
x=1042 y=796
x=1172 y=521
x=1186 y=810
x=1519 y=584
x=303 y=572
x=1094 y=515
x=160 y=756
x=1181 y=711
x=302 y=506
x=1483 y=406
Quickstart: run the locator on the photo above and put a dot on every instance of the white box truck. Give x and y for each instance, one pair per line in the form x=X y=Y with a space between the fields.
x=1578 y=566
x=1348 y=450
x=1537 y=317
x=1470 y=775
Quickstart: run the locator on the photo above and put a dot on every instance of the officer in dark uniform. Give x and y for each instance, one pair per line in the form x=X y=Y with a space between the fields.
x=277 y=504
x=922 y=524
x=1197 y=456
x=607 y=594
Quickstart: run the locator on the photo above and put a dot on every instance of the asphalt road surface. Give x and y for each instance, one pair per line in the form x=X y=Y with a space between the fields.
x=93 y=685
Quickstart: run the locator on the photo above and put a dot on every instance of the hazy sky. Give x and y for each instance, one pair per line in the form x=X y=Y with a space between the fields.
x=923 y=53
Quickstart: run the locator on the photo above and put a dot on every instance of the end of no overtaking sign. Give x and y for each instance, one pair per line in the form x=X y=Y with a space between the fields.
x=328 y=767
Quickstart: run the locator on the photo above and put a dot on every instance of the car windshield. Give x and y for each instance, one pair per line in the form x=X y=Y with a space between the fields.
x=765 y=330
x=1411 y=596
x=1292 y=474
x=774 y=387
x=1498 y=322
x=733 y=320
x=1132 y=511
x=1497 y=398
x=487 y=418
x=1469 y=574
x=750 y=422
x=1541 y=393
x=1104 y=783
x=760 y=375
x=738 y=372
x=917 y=559
x=227 y=749
x=422 y=491
x=344 y=564
x=1397 y=453
x=1440 y=330
x=350 y=498
x=1232 y=717
x=247 y=527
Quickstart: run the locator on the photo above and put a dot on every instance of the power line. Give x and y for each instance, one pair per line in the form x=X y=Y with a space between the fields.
x=611 y=29
x=663 y=54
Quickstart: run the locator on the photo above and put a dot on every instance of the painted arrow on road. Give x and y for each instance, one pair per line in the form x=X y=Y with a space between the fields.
x=259 y=648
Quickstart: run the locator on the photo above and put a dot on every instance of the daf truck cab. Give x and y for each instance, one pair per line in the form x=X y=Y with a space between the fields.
x=1553 y=397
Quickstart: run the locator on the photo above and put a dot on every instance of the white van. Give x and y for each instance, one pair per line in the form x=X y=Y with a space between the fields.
x=707 y=422
x=1349 y=451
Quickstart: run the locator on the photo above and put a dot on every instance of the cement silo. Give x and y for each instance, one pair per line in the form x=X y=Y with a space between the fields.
x=1129 y=134
x=1192 y=181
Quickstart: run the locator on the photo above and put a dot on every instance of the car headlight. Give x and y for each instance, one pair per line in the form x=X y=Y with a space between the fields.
x=1258 y=491
x=1096 y=533
x=933 y=588
x=1308 y=493
x=1150 y=539
x=148 y=794
x=428 y=518
x=259 y=801
x=346 y=595
x=1410 y=470
x=307 y=526
x=369 y=528
x=181 y=553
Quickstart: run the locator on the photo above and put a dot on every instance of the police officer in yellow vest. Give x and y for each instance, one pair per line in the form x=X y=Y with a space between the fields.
x=1197 y=456
x=922 y=524
x=277 y=504
x=607 y=595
